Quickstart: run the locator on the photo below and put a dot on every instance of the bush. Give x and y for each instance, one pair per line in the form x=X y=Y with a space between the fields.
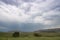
x=37 y=35
x=16 y=34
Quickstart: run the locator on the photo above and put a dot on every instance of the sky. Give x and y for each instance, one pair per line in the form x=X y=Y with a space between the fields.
x=29 y=15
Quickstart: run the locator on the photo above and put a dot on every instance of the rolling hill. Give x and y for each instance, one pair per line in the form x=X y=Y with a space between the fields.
x=49 y=30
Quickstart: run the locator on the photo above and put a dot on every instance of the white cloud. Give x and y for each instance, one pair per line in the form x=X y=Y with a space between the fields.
x=10 y=12
x=46 y=12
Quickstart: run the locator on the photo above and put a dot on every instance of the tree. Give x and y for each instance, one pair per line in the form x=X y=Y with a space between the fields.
x=16 y=34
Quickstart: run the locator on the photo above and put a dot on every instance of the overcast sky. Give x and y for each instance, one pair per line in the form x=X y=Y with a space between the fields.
x=29 y=15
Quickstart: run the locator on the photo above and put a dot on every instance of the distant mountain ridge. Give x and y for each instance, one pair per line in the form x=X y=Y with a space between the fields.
x=49 y=30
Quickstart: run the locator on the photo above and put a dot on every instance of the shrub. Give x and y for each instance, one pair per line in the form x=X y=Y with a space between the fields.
x=37 y=35
x=16 y=34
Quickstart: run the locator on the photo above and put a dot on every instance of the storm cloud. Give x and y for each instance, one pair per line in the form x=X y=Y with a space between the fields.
x=29 y=15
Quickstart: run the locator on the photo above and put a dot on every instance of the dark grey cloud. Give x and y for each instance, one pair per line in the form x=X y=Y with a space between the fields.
x=28 y=0
x=31 y=26
x=26 y=27
x=10 y=2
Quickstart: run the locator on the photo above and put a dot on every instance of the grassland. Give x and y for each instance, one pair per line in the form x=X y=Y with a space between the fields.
x=30 y=36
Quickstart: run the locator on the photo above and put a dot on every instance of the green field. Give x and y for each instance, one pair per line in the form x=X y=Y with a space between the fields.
x=30 y=36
